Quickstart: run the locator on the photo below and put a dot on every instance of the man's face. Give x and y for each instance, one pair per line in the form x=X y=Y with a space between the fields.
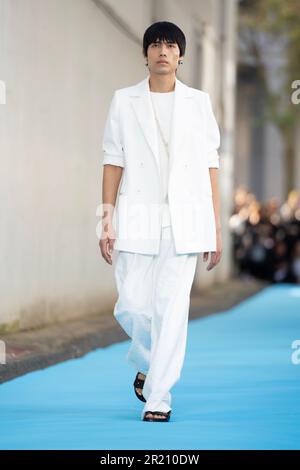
x=163 y=51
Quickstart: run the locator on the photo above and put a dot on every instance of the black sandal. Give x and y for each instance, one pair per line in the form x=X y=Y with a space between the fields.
x=160 y=413
x=139 y=383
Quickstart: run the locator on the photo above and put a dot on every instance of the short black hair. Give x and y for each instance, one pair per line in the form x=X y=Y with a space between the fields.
x=164 y=31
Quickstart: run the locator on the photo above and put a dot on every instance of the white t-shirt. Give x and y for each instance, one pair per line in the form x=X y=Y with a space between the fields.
x=163 y=104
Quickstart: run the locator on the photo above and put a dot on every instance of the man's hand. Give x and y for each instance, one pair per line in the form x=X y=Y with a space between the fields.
x=215 y=255
x=107 y=241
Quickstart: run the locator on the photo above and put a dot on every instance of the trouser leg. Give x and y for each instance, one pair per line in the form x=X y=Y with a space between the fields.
x=174 y=276
x=133 y=309
x=152 y=307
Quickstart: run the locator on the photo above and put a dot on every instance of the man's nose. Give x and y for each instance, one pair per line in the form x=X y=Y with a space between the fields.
x=163 y=47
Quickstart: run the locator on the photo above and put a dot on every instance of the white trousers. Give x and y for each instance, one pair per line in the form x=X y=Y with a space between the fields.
x=153 y=307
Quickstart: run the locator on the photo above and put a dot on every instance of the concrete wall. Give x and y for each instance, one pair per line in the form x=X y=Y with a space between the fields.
x=61 y=60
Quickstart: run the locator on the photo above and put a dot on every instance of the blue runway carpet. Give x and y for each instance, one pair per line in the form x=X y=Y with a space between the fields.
x=239 y=389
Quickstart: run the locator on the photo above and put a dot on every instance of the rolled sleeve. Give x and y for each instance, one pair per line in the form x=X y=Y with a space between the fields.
x=213 y=137
x=111 y=145
x=214 y=159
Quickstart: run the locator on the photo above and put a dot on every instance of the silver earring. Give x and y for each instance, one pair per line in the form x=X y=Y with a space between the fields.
x=180 y=62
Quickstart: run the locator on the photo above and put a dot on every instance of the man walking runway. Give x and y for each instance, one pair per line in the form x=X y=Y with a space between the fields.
x=160 y=139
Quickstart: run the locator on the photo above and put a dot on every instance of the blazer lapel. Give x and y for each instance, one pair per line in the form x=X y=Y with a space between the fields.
x=142 y=105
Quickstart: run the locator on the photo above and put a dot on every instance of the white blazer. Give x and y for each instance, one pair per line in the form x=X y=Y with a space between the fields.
x=130 y=140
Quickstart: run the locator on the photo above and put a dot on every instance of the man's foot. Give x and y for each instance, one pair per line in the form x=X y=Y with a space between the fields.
x=138 y=385
x=142 y=377
x=153 y=415
x=157 y=416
